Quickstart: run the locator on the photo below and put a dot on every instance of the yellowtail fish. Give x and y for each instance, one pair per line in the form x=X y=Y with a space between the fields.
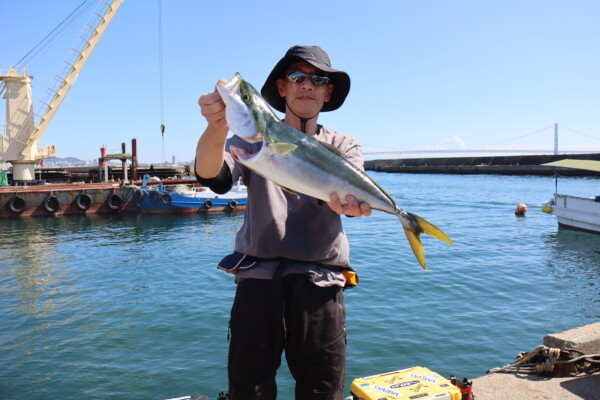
x=299 y=163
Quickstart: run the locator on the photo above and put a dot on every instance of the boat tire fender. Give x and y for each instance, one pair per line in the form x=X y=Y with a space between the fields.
x=233 y=204
x=138 y=195
x=83 y=201
x=154 y=196
x=208 y=204
x=167 y=198
x=51 y=204
x=114 y=201
x=17 y=204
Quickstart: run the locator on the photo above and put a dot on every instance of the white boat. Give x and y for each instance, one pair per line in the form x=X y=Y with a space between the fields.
x=572 y=212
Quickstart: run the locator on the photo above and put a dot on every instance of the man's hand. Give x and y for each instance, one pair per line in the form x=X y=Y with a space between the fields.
x=212 y=108
x=211 y=145
x=351 y=208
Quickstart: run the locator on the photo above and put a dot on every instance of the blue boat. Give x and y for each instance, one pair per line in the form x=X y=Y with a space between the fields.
x=188 y=199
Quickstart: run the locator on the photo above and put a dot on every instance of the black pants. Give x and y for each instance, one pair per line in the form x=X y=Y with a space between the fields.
x=288 y=313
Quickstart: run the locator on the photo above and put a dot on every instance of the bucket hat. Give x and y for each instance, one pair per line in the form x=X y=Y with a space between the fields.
x=318 y=58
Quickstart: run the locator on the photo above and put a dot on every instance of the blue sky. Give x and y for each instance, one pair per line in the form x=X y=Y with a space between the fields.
x=425 y=74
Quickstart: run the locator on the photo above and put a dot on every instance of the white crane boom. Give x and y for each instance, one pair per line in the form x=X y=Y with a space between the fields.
x=20 y=145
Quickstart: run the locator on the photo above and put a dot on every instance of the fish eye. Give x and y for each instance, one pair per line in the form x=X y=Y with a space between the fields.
x=245 y=97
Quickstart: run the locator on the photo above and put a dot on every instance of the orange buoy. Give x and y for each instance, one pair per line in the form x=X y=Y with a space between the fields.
x=521 y=210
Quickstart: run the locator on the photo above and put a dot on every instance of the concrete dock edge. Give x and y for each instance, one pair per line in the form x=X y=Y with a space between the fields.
x=509 y=386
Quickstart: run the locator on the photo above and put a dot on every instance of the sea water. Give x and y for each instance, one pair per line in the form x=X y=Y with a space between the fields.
x=132 y=306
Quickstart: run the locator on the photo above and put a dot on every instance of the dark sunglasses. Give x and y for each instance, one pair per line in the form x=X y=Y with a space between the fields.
x=298 y=77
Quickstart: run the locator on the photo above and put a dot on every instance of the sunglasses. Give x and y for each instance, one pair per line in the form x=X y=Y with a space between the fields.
x=299 y=76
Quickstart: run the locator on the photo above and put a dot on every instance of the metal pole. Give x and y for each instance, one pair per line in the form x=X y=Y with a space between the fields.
x=555 y=139
x=134 y=159
x=124 y=163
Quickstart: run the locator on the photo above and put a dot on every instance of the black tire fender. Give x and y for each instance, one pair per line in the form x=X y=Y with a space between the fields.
x=17 y=204
x=51 y=204
x=114 y=201
x=83 y=201
x=233 y=204
x=167 y=198
x=138 y=195
x=154 y=196
x=208 y=203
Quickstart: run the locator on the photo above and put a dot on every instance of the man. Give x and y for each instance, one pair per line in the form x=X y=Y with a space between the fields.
x=291 y=256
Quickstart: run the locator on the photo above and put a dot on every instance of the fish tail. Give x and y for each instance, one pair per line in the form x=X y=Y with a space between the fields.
x=413 y=227
x=432 y=230
x=414 y=240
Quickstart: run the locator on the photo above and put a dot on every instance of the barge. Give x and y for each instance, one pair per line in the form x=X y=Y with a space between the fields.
x=63 y=199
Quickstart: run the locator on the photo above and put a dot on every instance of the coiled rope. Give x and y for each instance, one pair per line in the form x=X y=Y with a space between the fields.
x=550 y=355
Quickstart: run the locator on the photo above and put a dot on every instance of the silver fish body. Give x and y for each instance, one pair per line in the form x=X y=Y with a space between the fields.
x=299 y=163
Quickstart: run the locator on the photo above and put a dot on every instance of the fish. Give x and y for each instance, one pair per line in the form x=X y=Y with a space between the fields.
x=302 y=164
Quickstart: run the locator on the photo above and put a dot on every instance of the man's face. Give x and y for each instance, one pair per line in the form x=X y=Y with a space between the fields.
x=305 y=98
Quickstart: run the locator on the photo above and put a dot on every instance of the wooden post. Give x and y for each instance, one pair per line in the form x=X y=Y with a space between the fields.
x=134 y=159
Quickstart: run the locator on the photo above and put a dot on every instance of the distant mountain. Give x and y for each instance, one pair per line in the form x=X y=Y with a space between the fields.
x=70 y=160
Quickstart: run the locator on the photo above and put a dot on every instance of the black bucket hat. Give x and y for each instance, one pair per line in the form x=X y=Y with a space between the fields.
x=317 y=57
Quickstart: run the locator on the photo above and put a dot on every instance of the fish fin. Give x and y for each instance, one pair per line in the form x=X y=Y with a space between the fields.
x=283 y=149
x=288 y=190
x=413 y=227
x=415 y=244
x=432 y=230
x=332 y=148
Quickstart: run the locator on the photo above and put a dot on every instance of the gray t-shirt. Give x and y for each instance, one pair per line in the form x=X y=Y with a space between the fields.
x=291 y=226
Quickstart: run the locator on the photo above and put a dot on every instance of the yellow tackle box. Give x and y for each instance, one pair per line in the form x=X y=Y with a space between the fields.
x=416 y=383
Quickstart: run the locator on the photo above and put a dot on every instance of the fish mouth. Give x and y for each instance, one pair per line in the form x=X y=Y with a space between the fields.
x=240 y=114
x=229 y=88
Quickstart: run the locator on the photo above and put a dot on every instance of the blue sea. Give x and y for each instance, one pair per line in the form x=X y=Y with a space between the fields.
x=133 y=307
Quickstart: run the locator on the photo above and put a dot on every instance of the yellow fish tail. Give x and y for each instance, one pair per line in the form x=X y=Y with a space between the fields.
x=413 y=227
x=432 y=230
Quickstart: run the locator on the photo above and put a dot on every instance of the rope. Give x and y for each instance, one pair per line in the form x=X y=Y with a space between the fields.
x=551 y=355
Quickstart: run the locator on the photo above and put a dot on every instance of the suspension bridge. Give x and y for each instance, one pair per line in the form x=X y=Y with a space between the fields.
x=370 y=151
x=508 y=146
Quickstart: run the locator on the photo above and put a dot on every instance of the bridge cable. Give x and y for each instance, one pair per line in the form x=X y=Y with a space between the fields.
x=521 y=136
x=579 y=133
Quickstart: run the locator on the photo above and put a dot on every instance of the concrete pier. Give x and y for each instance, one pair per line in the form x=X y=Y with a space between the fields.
x=499 y=165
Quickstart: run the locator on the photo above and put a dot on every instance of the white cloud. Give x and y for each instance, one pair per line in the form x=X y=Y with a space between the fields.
x=457 y=141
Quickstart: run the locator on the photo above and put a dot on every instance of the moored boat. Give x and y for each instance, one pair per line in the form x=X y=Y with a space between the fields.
x=187 y=199
x=573 y=212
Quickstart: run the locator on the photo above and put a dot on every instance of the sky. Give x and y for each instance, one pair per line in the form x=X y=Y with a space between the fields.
x=461 y=74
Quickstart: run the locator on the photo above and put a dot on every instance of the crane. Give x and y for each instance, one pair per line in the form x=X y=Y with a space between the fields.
x=19 y=145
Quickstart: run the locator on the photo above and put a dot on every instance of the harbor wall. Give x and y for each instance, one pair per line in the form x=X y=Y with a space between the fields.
x=500 y=165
